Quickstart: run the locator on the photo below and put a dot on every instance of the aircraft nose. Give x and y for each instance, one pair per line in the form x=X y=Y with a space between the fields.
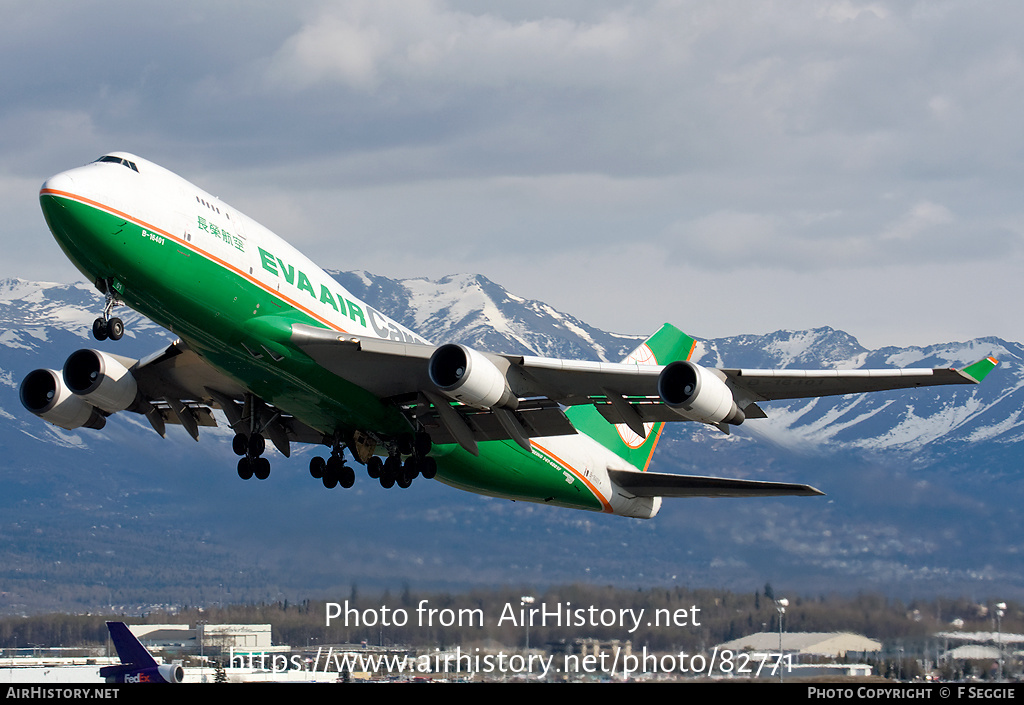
x=60 y=182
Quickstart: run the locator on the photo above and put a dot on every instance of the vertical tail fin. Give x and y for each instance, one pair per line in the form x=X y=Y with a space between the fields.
x=137 y=664
x=129 y=649
x=667 y=345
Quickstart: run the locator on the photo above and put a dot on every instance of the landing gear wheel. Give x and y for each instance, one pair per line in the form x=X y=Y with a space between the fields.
x=99 y=329
x=115 y=328
x=405 y=444
x=261 y=468
x=240 y=444
x=257 y=444
x=422 y=444
x=347 y=477
x=245 y=469
x=375 y=467
x=391 y=472
x=411 y=468
x=428 y=468
x=317 y=467
x=336 y=472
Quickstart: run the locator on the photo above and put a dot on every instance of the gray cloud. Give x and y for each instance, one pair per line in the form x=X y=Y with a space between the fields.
x=538 y=143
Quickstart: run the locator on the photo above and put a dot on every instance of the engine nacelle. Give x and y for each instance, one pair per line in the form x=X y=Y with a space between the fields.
x=698 y=394
x=44 y=394
x=101 y=380
x=467 y=376
x=172 y=673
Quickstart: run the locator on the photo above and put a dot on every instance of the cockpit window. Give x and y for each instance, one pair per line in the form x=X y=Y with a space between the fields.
x=118 y=160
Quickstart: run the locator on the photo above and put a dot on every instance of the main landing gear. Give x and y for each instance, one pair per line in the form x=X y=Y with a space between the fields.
x=252 y=463
x=250 y=423
x=394 y=471
x=333 y=471
x=390 y=472
x=107 y=326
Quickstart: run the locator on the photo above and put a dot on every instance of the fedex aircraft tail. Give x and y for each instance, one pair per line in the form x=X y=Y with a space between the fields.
x=137 y=665
x=668 y=344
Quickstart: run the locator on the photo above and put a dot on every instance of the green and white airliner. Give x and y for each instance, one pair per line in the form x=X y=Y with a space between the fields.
x=289 y=355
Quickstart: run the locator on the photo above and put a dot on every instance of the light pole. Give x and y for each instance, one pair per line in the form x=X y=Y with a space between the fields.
x=1000 y=611
x=781 y=604
x=200 y=628
x=527 y=600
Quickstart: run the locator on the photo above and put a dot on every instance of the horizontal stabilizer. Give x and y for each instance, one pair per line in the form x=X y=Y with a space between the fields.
x=659 y=484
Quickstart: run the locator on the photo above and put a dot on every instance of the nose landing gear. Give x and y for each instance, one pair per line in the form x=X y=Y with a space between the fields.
x=107 y=326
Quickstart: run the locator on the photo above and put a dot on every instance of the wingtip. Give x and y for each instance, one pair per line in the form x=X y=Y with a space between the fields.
x=980 y=369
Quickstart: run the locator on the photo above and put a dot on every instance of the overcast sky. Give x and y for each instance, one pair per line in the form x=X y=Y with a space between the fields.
x=731 y=167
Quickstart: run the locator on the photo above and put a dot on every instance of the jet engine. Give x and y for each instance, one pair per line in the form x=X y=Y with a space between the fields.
x=467 y=376
x=172 y=673
x=101 y=380
x=44 y=393
x=698 y=394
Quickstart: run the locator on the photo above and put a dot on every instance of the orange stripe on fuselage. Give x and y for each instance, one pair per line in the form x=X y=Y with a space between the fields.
x=197 y=250
x=578 y=475
x=654 y=446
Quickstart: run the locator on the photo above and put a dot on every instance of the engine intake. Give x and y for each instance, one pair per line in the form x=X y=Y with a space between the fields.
x=467 y=376
x=44 y=394
x=172 y=673
x=698 y=394
x=100 y=379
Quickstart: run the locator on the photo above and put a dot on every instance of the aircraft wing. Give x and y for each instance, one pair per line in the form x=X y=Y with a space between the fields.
x=456 y=394
x=660 y=484
x=173 y=385
x=182 y=387
x=535 y=388
x=390 y=368
x=768 y=385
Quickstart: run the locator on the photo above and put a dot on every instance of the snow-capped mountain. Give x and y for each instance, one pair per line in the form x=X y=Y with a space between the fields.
x=920 y=482
x=473 y=310
x=908 y=421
